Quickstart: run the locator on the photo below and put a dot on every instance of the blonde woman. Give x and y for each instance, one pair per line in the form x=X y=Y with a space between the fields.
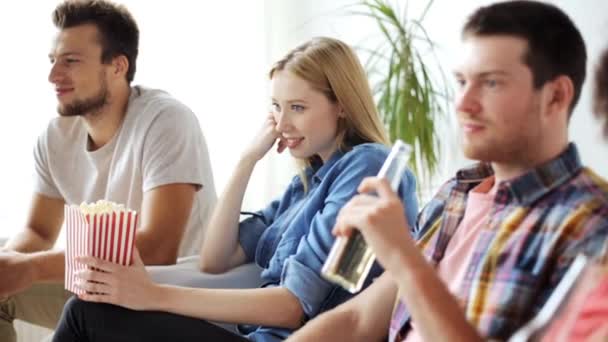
x=323 y=113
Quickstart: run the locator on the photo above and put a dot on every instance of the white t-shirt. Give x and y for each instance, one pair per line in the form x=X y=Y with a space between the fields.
x=159 y=142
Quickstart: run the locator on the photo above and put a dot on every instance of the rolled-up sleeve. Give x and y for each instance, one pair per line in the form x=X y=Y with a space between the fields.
x=301 y=273
x=306 y=284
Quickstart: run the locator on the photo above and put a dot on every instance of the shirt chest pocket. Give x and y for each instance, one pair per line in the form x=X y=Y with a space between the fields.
x=286 y=247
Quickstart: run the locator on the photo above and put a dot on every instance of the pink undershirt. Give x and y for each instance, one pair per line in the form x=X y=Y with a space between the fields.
x=453 y=266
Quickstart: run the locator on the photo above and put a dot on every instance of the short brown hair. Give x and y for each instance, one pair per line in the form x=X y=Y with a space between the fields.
x=600 y=96
x=118 y=31
x=555 y=45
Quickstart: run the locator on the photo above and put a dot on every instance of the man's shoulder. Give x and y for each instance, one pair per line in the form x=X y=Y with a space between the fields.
x=446 y=196
x=443 y=192
x=585 y=187
x=149 y=106
x=590 y=180
x=152 y=100
x=577 y=211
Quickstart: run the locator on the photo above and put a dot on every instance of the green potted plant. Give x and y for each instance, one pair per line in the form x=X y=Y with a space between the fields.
x=408 y=98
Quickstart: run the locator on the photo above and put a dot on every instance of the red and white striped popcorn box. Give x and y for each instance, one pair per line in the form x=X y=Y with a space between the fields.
x=107 y=236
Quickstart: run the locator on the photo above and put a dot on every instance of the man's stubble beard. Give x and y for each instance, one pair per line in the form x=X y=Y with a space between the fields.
x=89 y=106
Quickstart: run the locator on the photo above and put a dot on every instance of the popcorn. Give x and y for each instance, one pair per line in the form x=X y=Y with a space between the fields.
x=100 y=207
x=105 y=230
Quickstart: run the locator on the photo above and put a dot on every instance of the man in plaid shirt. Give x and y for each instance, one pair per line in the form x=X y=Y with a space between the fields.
x=497 y=238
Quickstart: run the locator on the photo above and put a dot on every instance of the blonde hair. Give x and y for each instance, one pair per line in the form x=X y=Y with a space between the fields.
x=332 y=68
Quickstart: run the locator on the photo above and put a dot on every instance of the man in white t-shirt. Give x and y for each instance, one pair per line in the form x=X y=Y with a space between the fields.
x=113 y=141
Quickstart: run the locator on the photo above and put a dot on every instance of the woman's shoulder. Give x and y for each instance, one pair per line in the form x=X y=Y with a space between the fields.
x=369 y=150
x=367 y=153
x=361 y=159
x=369 y=157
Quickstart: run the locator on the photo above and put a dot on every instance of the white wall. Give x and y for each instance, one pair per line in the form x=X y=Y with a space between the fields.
x=301 y=20
x=211 y=57
x=24 y=64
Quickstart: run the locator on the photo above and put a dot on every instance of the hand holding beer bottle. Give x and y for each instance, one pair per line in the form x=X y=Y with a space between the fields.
x=367 y=221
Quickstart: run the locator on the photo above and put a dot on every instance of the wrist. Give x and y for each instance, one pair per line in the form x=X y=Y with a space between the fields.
x=406 y=263
x=46 y=266
x=33 y=266
x=411 y=272
x=160 y=293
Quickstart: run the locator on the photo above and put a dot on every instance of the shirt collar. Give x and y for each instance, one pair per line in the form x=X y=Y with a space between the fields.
x=475 y=173
x=318 y=170
x=533 y=184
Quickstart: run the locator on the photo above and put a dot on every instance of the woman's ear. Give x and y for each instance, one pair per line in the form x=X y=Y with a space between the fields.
x=341 y=113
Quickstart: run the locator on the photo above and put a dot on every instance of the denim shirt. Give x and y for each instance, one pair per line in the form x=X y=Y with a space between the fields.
x=291 y=238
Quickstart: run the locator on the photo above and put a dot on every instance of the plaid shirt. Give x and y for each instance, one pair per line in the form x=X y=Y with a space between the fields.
x=539 y=222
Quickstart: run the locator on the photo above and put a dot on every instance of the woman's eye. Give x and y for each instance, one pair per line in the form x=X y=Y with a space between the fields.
x=297 y=108
x=274 y=107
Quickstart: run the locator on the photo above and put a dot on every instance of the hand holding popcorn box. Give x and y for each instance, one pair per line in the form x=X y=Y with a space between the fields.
x=103 y=230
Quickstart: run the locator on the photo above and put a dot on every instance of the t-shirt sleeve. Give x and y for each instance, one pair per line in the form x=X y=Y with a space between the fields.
x=43 y=182
x=174 y=149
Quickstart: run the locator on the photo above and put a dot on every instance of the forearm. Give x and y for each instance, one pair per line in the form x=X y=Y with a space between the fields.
x=334 y=325
x=153 y=252
x=366 y=317
x=221 y=239
x=49 y=266
x=28 y=241
x=435 y=311
x=22 y=270
x=265 y=306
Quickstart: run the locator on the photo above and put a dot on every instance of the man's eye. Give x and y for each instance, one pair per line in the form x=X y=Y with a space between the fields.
x=491 y=83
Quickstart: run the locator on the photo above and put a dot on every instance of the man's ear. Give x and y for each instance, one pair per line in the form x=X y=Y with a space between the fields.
x=120 y=66
x=561 y=95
